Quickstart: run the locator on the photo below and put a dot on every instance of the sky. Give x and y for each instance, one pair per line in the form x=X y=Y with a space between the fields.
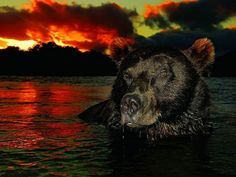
x=93 y=24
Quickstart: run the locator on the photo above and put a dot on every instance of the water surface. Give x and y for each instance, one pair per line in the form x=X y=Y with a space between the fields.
x=40 y=134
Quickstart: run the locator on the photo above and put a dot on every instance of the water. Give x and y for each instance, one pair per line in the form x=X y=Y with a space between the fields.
x=40 y=134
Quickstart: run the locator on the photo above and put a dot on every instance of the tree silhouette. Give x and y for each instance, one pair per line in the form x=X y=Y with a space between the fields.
x=51 y=59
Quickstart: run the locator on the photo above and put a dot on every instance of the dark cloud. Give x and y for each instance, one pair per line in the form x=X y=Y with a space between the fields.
x=12 y=23
x=191 y=14
x=68 y=24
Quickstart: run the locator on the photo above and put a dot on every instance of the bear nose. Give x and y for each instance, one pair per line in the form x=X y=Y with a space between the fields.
x=130 y=104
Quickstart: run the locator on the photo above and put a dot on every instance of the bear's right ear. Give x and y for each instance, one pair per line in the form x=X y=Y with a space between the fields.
x=120 y=47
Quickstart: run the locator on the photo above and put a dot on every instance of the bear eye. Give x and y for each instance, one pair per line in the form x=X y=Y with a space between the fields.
x=152 y=81
x=127 y=77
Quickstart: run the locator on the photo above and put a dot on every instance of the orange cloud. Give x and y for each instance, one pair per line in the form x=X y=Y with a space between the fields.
x=156 y=10
x=83 y=27
x=232 y=27
x=190 y=14
x=3 y=44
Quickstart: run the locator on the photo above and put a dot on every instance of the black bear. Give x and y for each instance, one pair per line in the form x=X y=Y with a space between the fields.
x=158 y=91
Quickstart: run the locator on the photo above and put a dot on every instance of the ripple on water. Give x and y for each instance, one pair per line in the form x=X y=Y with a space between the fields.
x=40 y=134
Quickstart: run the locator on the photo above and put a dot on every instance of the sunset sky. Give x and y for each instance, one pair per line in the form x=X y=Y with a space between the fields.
x=93 y=24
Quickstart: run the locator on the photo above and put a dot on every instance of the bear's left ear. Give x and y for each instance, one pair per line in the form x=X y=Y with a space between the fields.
x=120 y=47
x=201 y=54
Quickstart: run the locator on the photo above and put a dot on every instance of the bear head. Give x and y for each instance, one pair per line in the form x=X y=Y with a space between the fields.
x=157 y=83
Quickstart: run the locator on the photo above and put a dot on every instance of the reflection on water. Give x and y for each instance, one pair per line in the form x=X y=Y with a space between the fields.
x=40 y=134
x=39 y=129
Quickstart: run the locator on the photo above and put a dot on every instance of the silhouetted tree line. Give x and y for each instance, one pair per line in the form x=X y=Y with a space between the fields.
x=51 y=59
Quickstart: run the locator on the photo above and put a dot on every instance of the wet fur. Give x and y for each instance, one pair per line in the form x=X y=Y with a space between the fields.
x=184 y=105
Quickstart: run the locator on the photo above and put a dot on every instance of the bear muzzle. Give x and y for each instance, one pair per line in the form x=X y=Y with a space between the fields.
x=136 y=111
x=131 y=105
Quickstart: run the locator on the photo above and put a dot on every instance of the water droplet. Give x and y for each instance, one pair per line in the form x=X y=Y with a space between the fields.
x=123 y=132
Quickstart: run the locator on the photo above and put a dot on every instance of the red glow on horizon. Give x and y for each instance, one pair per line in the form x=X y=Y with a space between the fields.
x=44 y=21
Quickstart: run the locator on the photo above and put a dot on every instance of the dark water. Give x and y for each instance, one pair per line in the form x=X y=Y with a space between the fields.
x=40 y=134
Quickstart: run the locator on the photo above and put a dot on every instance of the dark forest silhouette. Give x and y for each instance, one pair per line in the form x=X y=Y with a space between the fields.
x=51 y=59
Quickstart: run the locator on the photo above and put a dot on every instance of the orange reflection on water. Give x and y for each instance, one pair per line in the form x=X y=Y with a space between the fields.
x=36 y=115
x=18 y=100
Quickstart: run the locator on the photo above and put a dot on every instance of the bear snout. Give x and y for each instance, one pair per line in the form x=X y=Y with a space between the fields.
x=130 y=104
